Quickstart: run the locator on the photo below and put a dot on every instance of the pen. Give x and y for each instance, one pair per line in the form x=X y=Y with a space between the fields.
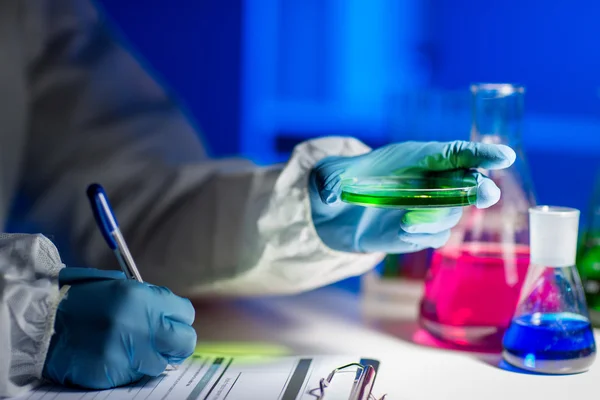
x=109 y=227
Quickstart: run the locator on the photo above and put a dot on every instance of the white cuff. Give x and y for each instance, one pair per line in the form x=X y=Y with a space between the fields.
x=29 y=266
x=288 y=256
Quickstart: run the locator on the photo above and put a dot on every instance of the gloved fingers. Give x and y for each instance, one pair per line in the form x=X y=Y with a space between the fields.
x=142 y=354
x=432 y=220
x=150 y=363
x=326 y=177
x=378 y=232
x=480 y=155
x=433 y=240
x=467 y=155
x=174 y=340
x=175 y=307
x=73 y=275
x=488 y=193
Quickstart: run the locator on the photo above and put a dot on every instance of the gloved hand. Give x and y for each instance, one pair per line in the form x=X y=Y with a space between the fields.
x=111 y=331
x=351 y=228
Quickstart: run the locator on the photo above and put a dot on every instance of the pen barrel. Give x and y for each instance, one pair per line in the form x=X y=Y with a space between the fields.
x=122 y=264
x=125 y=256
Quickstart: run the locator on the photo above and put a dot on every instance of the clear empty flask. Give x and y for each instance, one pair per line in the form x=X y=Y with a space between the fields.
x=551 y=332
x=474 y=281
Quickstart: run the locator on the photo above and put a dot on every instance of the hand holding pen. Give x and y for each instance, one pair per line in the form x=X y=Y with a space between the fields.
x=109 y=227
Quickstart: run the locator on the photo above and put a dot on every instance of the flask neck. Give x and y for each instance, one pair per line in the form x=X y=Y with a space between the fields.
x=553 y=235
x=497 y=114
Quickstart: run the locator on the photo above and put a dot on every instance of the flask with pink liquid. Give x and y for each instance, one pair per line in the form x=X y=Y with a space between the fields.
x=473 y=283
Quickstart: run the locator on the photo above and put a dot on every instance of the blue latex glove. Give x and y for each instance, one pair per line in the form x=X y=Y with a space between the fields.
x=111 y=331
x=352 y=228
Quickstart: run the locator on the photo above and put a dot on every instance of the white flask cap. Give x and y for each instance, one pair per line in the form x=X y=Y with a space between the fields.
x=553 y=235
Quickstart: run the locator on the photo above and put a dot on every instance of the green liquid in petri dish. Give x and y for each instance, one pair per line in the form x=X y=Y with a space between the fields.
x=403 y=192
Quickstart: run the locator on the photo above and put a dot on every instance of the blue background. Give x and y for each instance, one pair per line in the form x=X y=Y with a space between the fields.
x=260 y=75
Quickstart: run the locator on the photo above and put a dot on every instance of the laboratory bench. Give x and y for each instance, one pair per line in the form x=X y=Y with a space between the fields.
x=335 y=321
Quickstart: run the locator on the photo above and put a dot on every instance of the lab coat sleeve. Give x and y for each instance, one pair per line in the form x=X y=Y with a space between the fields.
x=29 y=296
x=196 y=225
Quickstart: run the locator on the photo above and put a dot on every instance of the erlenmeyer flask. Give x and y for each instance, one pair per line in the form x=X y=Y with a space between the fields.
x=551 y=331
x=474 y=281
x=588 y=261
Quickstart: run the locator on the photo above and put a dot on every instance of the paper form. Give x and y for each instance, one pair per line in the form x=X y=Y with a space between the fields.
x=225 y=378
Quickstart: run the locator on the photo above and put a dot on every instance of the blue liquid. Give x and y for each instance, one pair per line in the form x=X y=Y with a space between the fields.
x=550 y=343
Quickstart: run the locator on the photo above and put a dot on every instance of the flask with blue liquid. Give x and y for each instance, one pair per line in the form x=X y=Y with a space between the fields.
x=551 y=332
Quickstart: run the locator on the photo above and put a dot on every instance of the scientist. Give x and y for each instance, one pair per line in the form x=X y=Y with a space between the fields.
x=76 y=108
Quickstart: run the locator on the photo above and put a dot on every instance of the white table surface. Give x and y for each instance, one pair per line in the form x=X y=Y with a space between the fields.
x=330 y=321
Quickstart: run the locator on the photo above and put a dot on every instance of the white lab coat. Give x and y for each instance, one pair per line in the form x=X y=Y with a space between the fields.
x=76 y=108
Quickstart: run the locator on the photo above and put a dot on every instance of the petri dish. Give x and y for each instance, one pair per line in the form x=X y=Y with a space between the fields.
x=409 y=192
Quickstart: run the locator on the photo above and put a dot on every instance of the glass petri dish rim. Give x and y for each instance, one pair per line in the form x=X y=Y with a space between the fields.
x=347 y=184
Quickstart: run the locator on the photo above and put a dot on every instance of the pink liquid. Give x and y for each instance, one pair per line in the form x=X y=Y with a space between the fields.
x=471 y=293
